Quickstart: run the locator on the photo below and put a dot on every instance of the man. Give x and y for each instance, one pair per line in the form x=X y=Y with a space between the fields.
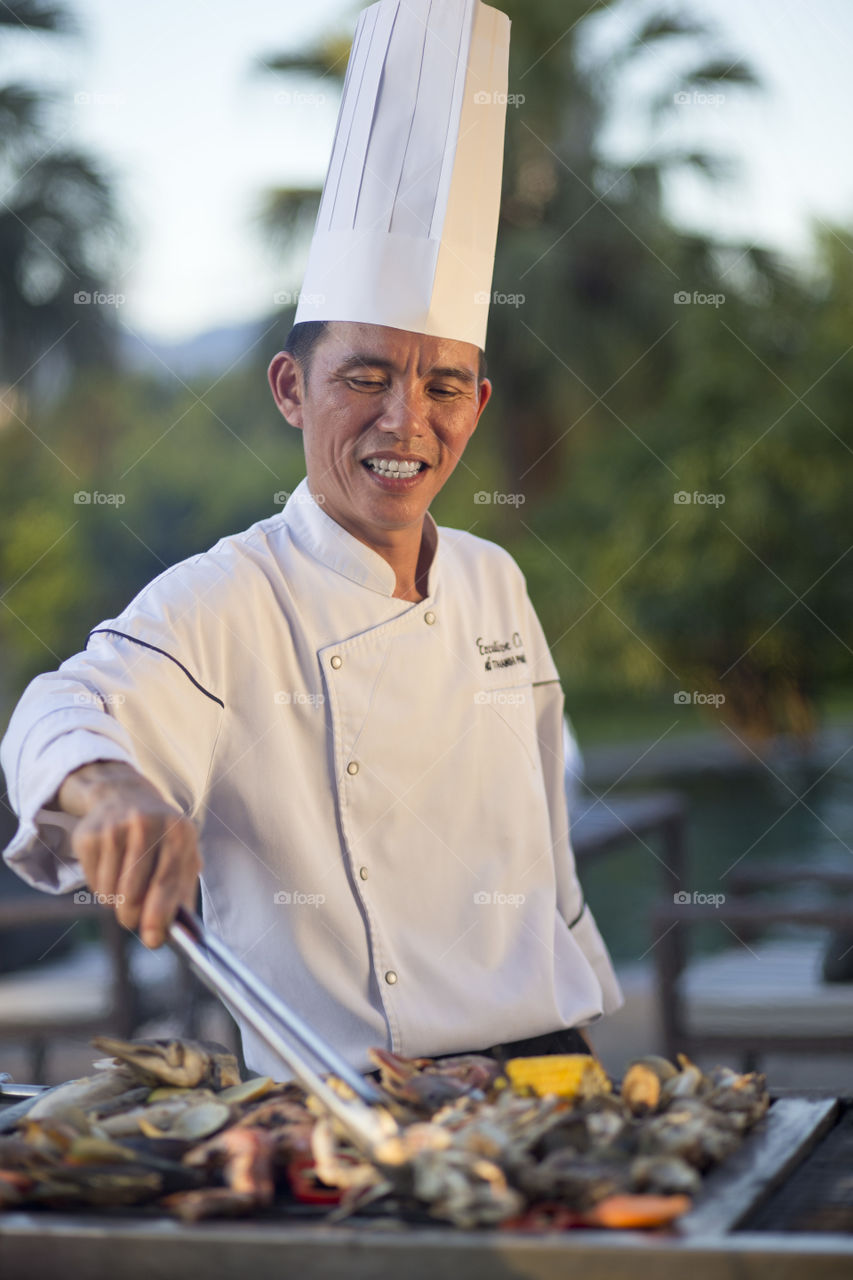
x=354 y=715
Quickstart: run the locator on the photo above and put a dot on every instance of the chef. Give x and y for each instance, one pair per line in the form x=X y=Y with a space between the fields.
x=351 y=713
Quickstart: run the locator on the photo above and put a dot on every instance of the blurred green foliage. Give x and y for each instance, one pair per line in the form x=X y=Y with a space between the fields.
x=59 y=228
x=743 y=595
x=611 y=398
x=162 y=473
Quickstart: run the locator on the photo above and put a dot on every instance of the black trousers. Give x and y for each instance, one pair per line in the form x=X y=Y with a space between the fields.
x=568 y=1040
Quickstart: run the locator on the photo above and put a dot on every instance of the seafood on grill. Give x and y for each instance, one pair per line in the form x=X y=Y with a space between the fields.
x=187 y=1064
x=642 y=1085
x=105 y=1091
x=472 y=1142
x=245 y=1158
x=425 y=1084
x=666 y=1174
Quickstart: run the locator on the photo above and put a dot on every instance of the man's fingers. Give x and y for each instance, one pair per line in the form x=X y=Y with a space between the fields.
x=138 y=867
x=189 y=893
x=86 y=846
x=147 y=861
x=105 y=877
x=173 y=882
x=142 y=844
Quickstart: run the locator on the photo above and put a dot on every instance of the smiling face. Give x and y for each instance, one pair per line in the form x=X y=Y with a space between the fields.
x=386 y=414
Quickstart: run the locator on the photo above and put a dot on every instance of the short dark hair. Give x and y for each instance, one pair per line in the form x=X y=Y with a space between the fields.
x=303 y=338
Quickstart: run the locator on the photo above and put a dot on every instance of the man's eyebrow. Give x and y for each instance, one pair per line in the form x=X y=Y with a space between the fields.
x=364 y=360
x=452 y=371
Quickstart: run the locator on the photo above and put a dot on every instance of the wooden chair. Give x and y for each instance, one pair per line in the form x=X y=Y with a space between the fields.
x=63 y=997
x=762 y=994
x=107 y=983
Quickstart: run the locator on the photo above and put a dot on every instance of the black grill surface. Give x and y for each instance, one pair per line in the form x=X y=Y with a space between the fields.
x=818 y=1196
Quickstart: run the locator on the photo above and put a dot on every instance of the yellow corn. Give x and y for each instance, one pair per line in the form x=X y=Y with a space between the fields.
x=567 y=1075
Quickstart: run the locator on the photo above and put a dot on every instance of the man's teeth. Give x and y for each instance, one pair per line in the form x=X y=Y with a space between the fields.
x=394 y=466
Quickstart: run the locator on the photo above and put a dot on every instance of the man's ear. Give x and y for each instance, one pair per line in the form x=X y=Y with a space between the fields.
x=288 y=387
x=485 y=393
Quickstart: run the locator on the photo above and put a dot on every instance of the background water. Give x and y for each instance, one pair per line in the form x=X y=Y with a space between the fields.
x=799 y=813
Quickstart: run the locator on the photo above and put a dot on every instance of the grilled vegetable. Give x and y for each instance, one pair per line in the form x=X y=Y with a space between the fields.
x=625 y=1211
x=568 y=1075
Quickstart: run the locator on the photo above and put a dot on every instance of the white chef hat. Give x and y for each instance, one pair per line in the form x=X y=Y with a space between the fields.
x=406 y=230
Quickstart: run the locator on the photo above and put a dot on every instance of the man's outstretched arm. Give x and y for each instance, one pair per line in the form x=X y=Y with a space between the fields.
x=121 y=738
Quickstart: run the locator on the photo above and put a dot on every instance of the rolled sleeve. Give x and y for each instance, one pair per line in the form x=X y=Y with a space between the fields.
x=116 y=701
x=40 y=851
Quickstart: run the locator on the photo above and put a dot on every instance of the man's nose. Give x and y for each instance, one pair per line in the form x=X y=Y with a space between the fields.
x=402 y=414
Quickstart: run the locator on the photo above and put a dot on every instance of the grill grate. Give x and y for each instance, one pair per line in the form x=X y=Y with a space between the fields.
x=818 y=1196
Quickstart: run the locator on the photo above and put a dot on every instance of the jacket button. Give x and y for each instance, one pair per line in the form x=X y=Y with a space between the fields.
x=390 y=977
x=429 y=617
x=362 y=871
x=352 y=768
x=336 y=662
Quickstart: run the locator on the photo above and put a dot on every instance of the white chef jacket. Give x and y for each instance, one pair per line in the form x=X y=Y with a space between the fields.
x=377 y=784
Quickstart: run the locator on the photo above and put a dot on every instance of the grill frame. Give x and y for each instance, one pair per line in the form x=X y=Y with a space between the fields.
x=36 y=1244
x=819 y=1191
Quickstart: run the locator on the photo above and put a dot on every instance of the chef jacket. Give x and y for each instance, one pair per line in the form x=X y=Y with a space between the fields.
x=377 y=784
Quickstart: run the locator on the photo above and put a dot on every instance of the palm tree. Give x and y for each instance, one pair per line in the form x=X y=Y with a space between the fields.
x=287 y=213
x=58 y=227
x=584 y=240
x=580 y=238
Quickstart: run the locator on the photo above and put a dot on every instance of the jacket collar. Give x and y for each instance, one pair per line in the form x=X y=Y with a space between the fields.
x=339 y=551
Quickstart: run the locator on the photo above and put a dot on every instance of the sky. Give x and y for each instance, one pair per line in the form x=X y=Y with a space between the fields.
x=173 y=99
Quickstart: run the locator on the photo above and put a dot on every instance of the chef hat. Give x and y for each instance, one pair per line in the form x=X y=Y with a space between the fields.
x=406 y=230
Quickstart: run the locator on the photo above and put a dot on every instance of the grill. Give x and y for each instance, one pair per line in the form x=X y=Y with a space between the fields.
x=818 y=1196
x=780 y=1208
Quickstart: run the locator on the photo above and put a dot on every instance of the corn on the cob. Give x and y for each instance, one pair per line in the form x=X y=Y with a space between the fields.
x=567 y=1075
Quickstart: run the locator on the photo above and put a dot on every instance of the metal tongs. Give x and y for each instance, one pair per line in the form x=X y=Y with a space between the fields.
x=279 y=1025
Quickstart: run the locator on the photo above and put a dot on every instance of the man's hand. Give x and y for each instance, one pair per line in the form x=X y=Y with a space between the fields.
x=133 y=845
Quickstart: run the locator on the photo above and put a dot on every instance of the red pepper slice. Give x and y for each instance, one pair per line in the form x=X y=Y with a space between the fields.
x=302 y=1175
